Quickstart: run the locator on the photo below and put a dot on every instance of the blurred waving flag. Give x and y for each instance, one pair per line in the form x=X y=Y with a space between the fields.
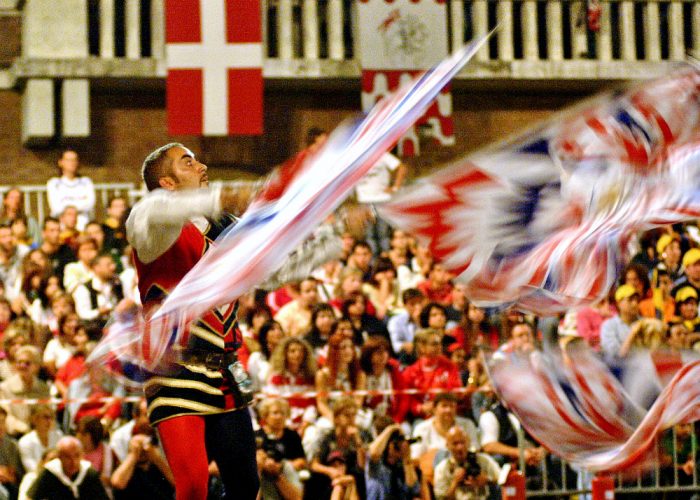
x=545 y=220
x=279 y=220
x=214 y=55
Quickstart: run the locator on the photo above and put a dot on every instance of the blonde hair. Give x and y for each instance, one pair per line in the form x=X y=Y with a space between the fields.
x=268 y=404
x=650 y=333
x=31 y=351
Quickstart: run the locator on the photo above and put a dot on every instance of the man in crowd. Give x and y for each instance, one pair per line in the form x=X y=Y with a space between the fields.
x=295 y=316
x=11 y=257
x=403 y=325
x=390 y=471
x=615 y=330
x=59 y=254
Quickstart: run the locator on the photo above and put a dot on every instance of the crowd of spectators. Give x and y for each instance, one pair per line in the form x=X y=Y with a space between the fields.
x=386 y=317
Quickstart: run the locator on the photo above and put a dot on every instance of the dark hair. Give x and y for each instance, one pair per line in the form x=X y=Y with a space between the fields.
x=642 y=273
x=372 y=345
x=91 y=426
x=445 y=396
x=313 y=133
x=254 y=311
x=50 y=219
x=424 y=317
x=334 y=358
x=361 y=243
x=411 y=294
x=350 y=300
x=157 y=165
x=262 y=336
x=382 y=264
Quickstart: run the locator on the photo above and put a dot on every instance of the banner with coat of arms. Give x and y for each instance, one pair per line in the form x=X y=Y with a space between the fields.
x=397 y=40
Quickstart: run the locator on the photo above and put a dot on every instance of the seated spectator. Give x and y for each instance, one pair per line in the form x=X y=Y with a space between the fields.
x=59 y=254
x=458 y=306
x=61 y=304
x=431 y=371
x=254 y=319
x=12 y=255
x=434 y=316
x=68 y=476
x=464 y=474
x=75 y=366
x=62 y=347
x=13 y=339
x=87 y=396
x=271 y=334
x=400 y=252
x=69 y=226
x=390 y=471
x=13 y=210
x=589 y=321
x=668 y=250
x=144 y=473
x=30 y=477
x=322 y=321
x=687 y=308
x=280 y=453
x=520 y=341
x=661 y=304
x=615 y=330
x=96 y=298
x=80 y=271
x=95 y=449
x=121 y=437
x=11 y=468
x=438 y=287
x=382 y=290
x=418 y=267
x=71 y=189
x=114 y=224
x=5 y=315
x=431 y=434
x=341 y=373
x=691 y=274
x=94 y=230
x=24 y=384
x=295 y=317
x=383 y=374
x=403 y=325
x=498 y=428
x=637 y=276
x=474 y=331
x=364 y=324
x=349 y=281
x=344 y=442
x=361 y=258
x=647 y=334
x=44 y=436
x=292 y=372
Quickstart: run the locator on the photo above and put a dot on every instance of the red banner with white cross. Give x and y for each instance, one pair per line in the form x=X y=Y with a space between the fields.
x=214 y=55
x=398 y=39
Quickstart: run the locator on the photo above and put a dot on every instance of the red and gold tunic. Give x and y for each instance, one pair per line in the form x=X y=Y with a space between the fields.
x=192 y=389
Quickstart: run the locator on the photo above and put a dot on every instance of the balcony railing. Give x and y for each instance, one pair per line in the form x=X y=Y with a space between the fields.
x=537 y=39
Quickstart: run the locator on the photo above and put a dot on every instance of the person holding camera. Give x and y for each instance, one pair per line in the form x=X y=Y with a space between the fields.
x=464 y=475
x=280 y=454
x=144 y=473
x=390 y=472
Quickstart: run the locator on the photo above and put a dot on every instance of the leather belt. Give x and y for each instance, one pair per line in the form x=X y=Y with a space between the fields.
x=210 y=360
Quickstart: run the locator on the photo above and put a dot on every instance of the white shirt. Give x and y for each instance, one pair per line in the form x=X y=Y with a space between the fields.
x=372 y=187
x=490 y=428
x=119 y=442
x=74 y=274
x=31 y=449
x=57 y=352
x=105 y=298
x=431 y=439
x=78 y=192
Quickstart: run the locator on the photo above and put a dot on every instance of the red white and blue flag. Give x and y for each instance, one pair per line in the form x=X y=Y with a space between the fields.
x=214 y=55
x=545 y=221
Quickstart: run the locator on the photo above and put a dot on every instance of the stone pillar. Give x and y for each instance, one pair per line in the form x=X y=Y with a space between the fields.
x=529 y=24
x=627 y=43
x=579 y=36
x=604 y=36
x=336 y=44
x=310 y=25
x=133 y=29
x=457 y=23
x=555 y=38
x=158 y=29
x=652 y=36
x=55 y=29
x=75 y=108
x=284 y=30
x=504 y=35
x=38 y=113
x=480 y=26
x=676 y=43
x=107 y=29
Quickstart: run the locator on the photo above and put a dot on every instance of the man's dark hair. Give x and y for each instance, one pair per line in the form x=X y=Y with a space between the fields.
x=445 y=396
x=361 y=244
x=91 y=426
x=157 y=165
x=424 y=317
x=313 y=133
x=67 y=150
x=412 y=294
x=50 y=219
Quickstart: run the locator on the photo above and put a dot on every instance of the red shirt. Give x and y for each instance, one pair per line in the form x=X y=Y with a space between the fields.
x=425 y=374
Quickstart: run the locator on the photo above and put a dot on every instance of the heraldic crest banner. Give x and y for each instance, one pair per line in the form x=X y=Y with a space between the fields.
x=397 y=40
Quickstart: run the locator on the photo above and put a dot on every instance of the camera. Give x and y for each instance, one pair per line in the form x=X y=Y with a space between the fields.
x=270 y=448
x=471 y=466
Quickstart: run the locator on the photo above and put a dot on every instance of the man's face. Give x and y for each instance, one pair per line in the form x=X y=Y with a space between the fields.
x=104 y=268
x=185 y=171
x=25 y=365
x=458 y=445
x=7 y=241
x=51 y=233
x=69 y=218
x=95 y=232
x=439 y=275
x=70 y=456
x=629 y=306
x=12 y=199
x=362 y=257
x=307 y=293
x=673 y=252
x=446 y=411
x=521 y=336
x=117 y=208
x=69 y=163
x=693 y=271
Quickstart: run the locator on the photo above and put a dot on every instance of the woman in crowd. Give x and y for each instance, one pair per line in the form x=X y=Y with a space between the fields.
x=255 y=318
x=14 y=338
x=383 y=289
x=96 y=450
x=13 y=210
x=274 y=413
x=382 y=374
x=341 y=373
x=292 y=371
x=271 y=334
x=75 y=367
x=60 y=304
x=322 y=322
x=43 y=436
x=474 y=330
x=364 y=323
x=434 y=316
x=60 y=348
x=80 y=271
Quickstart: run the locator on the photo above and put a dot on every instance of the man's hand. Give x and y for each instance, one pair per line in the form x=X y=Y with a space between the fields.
x=235 y=201
x=534 y=456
